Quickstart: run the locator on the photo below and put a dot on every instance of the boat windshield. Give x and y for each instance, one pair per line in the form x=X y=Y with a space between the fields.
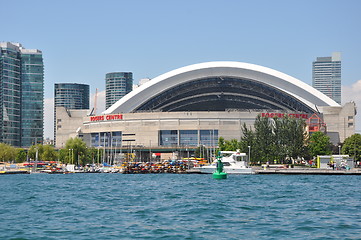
x=226 y=154
x=239 y=158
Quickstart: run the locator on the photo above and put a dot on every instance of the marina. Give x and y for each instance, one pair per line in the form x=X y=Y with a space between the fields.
x=178 y=167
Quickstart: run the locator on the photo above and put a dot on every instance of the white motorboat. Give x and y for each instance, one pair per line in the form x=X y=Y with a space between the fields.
x=233 y=163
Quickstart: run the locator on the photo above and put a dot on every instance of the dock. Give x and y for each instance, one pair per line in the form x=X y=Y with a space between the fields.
x=14 y=172
x=297 y=171
x=308 y=171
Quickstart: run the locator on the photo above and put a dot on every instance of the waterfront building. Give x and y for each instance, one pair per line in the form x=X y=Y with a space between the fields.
x=69 y=96
x=195 y=105
x=21 y=95
x=326 y=76
x=117 y=85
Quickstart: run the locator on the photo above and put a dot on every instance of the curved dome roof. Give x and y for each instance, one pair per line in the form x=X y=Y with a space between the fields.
x=218 y=86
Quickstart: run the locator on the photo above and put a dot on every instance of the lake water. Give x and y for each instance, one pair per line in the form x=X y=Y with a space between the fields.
x=171 y=206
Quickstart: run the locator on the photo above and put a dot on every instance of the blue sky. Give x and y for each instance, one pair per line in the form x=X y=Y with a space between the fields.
x=83 y=40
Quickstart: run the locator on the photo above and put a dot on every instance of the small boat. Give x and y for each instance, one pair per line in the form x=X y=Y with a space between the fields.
x=233 y=163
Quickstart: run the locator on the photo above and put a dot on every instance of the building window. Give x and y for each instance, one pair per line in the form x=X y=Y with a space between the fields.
x=168 y=138
x=95 y=140
x=350 y=124
x=188 y=137
x=106 y=139
x=350 y=118
x=208 y=137
x=116 y=139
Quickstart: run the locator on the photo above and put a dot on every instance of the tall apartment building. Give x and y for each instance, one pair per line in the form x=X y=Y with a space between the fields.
x=117 y=85
x=21 y=95
x=326 y=76
x=70 y=96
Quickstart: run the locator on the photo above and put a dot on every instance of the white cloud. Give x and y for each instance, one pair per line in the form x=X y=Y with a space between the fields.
x=352 y=93
x=100 y=102
x=49 y=118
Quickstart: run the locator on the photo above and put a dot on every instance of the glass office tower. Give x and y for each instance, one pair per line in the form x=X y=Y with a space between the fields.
x=117 y=85
x=21 y=95
x=70 y=96
x=32 y=98
x=326 y=76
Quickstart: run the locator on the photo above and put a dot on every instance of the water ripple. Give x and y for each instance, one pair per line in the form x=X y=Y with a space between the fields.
x=168 y=206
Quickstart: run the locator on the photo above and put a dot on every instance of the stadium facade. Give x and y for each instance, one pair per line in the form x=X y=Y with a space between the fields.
x=195 y=105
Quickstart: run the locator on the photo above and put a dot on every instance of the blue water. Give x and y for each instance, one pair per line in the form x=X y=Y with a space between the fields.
x=170 y=206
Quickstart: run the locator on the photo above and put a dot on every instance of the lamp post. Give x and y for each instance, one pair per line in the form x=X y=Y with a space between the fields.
x=339 y=149
x=249 y=154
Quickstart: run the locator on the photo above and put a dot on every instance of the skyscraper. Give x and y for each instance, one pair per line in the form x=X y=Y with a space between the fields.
x=326 y=76
x=21 y=95
x=117 y=85
x=70 y=96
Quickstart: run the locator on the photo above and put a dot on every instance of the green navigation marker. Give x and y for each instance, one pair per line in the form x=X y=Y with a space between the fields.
x=219 y=174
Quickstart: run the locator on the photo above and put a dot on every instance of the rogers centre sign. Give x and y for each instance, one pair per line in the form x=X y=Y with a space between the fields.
x=106 y=117
x=281 y=115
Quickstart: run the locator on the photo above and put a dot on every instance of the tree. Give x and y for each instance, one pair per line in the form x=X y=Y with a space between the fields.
x=290 y=136
x=21 y=155
x=228 y=145
x=32 y=152
x=76 y=151
x=221 y=143
x=49 y=153
x=352 y=146
x=275 y=139
x=231 y=145
x=91 y=155
x=7 y=153
x=264 y=147
x=45 y=152
x=248 y=139
x=64 y=155
x=272 y=139
x=319 y=144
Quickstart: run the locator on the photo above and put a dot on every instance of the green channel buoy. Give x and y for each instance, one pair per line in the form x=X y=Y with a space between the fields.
x=219 y=174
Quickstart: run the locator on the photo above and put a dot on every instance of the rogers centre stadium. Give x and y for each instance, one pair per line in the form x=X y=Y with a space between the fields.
x=195 y=105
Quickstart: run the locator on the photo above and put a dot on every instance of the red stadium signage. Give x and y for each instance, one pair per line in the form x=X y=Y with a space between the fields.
x=106 y=117
x=281 y=115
